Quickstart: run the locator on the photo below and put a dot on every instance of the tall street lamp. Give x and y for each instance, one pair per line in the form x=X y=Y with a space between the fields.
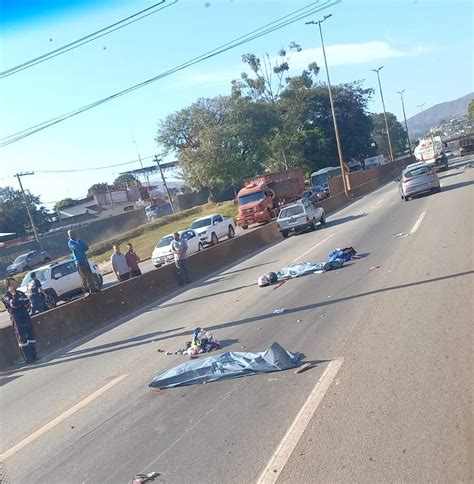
x=405 y=118
x=345 y=179
x=377 y=71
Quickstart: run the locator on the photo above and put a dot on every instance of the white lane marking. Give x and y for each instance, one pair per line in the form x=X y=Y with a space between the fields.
x=287 y=445
x=312 y=248
x=60 y=418
x=376 y=204
x=418 y=223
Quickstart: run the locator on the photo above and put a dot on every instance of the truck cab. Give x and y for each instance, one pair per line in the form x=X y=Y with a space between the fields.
x=255 y=205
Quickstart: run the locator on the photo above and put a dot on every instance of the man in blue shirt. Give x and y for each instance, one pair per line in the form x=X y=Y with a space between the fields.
x=78 y=249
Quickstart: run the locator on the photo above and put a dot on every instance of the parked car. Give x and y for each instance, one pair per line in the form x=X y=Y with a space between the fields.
x=300 y=216
x=61 y=281
x=156 y=211
x=417 y=180
x=162 y=254
x=212 y=228
x=27 y=261
x=315 y=194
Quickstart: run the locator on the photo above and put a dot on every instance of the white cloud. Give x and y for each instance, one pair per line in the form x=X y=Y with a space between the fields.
x=337 y=55
x=356 y=53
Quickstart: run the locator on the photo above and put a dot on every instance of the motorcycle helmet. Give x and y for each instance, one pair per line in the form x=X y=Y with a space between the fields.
x=263 y=281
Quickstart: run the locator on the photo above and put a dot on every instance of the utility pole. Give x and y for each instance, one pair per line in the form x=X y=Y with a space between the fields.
x=33 y=226
x=405 y=118
x=377 y=71
x=345 y=178
x=157 y=161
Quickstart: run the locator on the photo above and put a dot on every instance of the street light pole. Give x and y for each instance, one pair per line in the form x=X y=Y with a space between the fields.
x=345 y=178
x=405 y=118
x=33 y=226
x=377 y=71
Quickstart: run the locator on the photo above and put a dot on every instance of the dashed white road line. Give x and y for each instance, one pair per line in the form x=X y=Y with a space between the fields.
x=304 y=254
x=60 y=418
x=280 y=457
x=417 y=223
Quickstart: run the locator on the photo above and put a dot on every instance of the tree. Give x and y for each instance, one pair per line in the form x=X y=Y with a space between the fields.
x=218 y=140
x=268 y=80
x=14 y=216
x=122 y=181
x=470 y=110
x=97 y=188
x=398 y=135
x=65 y=202
x=269 y=122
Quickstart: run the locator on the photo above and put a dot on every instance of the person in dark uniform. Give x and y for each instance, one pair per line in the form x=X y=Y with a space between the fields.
x=16 y=303
x=35 y=293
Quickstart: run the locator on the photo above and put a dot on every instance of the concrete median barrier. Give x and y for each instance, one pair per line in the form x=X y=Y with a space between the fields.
x=73 y=320
x=70 y=321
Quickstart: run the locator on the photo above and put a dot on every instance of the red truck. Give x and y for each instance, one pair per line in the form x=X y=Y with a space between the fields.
x=262 y=196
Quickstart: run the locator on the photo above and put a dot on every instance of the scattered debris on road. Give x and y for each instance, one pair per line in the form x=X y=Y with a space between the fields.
x=140 y=478
x=303 y=368
x=232 y=364
x=201 y=342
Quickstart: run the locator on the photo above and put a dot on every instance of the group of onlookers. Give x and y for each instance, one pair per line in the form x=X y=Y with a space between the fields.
x=125 y=266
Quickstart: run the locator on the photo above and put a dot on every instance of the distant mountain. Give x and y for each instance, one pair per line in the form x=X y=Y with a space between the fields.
x=438 y=113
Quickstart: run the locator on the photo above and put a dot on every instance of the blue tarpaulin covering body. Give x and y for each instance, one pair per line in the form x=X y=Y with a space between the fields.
x=232 y=364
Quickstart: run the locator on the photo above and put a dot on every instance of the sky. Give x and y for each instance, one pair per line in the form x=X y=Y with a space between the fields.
x=425 y=47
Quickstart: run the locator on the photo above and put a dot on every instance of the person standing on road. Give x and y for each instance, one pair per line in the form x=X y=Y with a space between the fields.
x=35 y=294
x=119 y=264
x=17 y=303
x=132 y=261
x=78 y=249
x=179 y=247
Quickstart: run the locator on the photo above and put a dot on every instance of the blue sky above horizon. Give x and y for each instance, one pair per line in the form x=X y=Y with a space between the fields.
x=425 y=47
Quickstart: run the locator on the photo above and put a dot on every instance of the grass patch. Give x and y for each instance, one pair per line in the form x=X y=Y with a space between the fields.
x=145 y=237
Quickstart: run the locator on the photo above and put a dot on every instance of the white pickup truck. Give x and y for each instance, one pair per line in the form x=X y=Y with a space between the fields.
x=212 y=228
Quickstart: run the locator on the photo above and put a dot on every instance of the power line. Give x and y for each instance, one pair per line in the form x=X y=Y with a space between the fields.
x=88 y=38
x=261 y=31
x=77 y=170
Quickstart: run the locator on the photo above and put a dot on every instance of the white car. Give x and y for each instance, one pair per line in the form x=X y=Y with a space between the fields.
x=213 y=227
x=60 y=281
x=162 y=252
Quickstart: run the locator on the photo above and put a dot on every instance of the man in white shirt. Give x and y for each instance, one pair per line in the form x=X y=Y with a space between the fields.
x=179 y=247
x=119 y=264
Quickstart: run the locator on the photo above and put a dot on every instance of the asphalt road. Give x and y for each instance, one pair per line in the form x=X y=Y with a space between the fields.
x=389 y=398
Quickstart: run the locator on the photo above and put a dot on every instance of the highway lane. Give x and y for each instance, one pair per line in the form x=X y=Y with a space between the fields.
x=399 y=407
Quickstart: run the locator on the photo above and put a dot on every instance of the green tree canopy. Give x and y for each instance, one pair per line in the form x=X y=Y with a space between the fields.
x=470 y=110
x=14 y=216
x=97 y=188
x=122 y=181
x=398 y=135
x=269 y=122
x=65 y=202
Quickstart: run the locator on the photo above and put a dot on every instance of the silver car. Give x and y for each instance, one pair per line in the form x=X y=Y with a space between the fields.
x=300 y=216
x=417 y=180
